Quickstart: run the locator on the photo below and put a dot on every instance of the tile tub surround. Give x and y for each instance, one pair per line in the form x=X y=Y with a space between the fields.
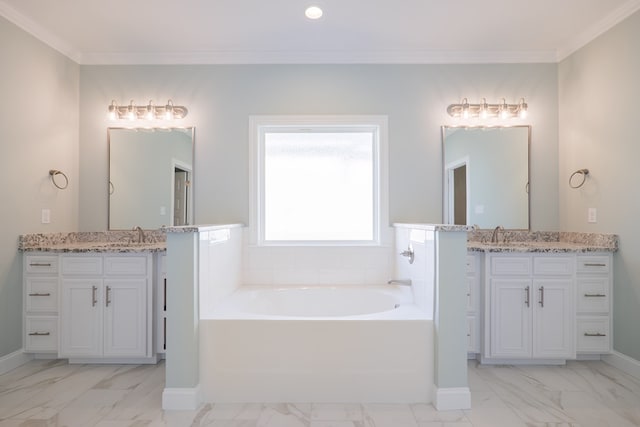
x=94 y=241
x=542 y=241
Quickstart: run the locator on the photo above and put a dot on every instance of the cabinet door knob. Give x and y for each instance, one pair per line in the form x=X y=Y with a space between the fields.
x=597 y=334
x=108 y=296
x=94 y=296
x=541 y=302
x=594 y=295
x=39 y=334
x=40 y=295
x=527 y=296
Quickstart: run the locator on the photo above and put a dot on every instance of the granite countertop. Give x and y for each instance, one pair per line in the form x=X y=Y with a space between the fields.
x=543 y=242
x=94 y=242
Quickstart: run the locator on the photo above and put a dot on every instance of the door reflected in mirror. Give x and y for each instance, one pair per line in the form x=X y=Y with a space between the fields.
x=486 y=176
x=150 y=177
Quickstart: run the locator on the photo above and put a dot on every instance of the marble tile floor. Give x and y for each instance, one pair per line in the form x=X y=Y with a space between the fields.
x=580 y=394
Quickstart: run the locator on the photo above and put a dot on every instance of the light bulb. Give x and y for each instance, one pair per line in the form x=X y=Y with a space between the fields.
x=150 y=114
x=168 y=113
x=484 y=109
x=465 y=108
x=131 y=112
x=113 y=111
x=522 y=109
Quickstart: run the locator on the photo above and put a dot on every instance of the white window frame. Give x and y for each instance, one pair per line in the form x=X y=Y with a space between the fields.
x=257 y=124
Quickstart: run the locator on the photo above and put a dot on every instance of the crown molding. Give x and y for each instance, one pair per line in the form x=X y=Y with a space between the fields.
x=38 y=31
x=605 y=24
x=320 y=57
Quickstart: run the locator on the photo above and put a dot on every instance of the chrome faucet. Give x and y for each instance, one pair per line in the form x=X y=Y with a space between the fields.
x=404 y=282
x=141 y=238
x=495 y=237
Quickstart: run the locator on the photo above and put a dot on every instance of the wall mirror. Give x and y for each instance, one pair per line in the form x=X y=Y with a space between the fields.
x=150 y=177
x=486 y=176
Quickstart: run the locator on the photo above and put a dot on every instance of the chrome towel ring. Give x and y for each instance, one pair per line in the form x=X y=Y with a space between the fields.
x=53 y=173
x=583 y=173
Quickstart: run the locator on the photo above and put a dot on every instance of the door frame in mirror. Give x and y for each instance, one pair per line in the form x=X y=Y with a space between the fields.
x=172 y=164
x=447 y=203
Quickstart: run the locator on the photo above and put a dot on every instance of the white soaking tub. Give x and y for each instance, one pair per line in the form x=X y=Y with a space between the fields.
x=316 y=344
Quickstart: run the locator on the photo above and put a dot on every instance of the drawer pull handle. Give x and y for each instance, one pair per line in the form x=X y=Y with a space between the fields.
x=40 y=295
x=541 y=302
x=597 y=334
x=108 y=296
x=595 y=295
x=40 y=264
x=594 y=264
x=527 y=296
x=94 y=293
x=39 y=334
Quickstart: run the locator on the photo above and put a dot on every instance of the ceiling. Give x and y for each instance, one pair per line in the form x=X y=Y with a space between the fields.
x=351 y=31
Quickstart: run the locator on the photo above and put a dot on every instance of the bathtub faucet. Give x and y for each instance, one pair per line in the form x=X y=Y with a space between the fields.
x=404 y=282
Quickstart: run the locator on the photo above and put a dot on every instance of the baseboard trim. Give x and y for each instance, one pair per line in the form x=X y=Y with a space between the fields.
x=13 y=360
x=452 y=398
x=623 y=362
x=181 y=399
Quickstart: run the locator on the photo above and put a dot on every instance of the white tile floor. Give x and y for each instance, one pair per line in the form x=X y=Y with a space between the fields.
x=585 y=394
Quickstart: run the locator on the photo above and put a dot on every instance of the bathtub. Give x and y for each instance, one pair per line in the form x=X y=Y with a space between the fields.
x=316 y=344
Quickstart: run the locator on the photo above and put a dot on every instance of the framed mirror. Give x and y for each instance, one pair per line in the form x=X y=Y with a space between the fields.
x=486 y=176
x=150 y=177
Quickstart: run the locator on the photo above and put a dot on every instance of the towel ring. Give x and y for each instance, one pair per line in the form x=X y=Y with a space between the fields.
x=53 y=173
x=584 y=173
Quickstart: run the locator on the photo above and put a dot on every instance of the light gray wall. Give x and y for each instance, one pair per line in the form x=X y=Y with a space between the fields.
x=38 y=132
x=599 y=91
x=221 y=99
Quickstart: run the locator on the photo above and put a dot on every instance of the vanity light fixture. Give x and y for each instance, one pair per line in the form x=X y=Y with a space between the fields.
x=483 y=110
x=150 y=111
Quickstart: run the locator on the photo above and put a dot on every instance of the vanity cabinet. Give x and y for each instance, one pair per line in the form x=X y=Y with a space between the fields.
x=106 y=306
x=594 y=303
x=473 y=279
x=529 y=306
x=40 y=326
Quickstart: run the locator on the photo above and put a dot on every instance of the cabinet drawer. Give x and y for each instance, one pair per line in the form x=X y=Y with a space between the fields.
x=125 y=265
x=41 y=264
x=594 y=264
x=41 y=294
x=507 y=265
x=556 y=265
x=471 y=264
x=41 y=334
x=81 y=265
x=593 y=295
x=594 y=335
x=473 y=343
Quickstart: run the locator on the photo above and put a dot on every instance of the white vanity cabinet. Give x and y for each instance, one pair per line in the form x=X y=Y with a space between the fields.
x=529 y=306
x=106 y=306
x=40 y=326
x=594 y=303
x=473 y=278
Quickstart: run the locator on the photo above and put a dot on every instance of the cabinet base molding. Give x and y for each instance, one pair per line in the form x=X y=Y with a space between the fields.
x=115 y=360
x=486 y=361
x=13 y=360
x=181 y=399
x=623 y=362
x=451 y=398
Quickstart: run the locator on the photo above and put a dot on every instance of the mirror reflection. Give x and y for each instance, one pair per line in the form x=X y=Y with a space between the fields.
x=486 y=176
x=150 y=177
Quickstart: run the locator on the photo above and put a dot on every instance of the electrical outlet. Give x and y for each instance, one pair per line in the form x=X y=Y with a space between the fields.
x=592 y=215
x=46 y=216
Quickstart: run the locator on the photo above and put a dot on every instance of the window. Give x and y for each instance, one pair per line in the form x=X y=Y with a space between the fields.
x=317 y=180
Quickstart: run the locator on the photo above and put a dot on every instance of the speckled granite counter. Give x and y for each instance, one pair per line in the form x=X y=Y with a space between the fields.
x=542 y=241
x=101 y=241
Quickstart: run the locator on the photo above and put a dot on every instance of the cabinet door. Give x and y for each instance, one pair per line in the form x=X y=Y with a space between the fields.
x=125 y=307
x=81 y=318
x=510 y=318
x=554 y=319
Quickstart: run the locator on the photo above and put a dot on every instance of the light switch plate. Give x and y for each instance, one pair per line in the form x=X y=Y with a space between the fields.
x=46 y=216
x=592 y=215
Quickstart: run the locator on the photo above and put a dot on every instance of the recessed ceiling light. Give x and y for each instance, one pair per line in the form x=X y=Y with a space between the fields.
x=313 y=12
